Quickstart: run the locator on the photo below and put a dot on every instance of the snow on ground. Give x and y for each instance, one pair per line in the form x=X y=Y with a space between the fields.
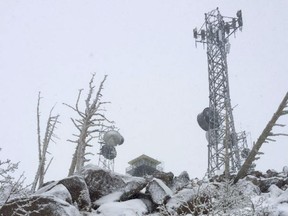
x=132 y=207
x=274 y=203
x=113 y=197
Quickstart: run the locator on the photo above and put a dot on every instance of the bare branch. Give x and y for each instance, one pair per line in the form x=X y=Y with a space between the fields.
x=278 y=134
x=48 y=165
x=91 y=90
x=262 y=138
x=76 y=125
x=269 y=139
x=73 y=141
x=280 y=125
x=38 y=126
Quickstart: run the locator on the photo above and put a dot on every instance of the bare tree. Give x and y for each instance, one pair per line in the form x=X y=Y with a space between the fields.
x=43 y=145
x=90 y=123
x=264 y=138
x=9 y=186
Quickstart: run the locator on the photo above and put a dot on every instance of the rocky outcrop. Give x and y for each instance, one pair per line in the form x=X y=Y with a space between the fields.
x=96 y=191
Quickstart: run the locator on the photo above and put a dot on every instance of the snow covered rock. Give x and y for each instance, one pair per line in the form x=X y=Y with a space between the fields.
x=167 y=178
x=101 y=182
x=266 y=183
x=159 y=192
x=257 y=174
x=59 y=191
x=39 y=205
x=274 y=202
x=133 y=186
x=271 y=173
x=78 y=189
x=181 y=181
x=182 y=202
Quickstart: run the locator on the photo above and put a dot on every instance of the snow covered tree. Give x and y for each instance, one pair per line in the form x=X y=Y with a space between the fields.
x=9 y=186
x=90 y=123
x=43 y=145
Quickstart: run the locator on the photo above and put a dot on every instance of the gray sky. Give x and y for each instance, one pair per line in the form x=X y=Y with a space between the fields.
x=157 y=79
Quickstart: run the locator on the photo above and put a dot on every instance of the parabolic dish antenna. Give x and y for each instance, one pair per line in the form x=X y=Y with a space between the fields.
x=108 y=151
x=113 y=138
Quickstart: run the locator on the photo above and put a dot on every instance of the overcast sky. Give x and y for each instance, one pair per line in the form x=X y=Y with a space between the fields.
x=157 y=79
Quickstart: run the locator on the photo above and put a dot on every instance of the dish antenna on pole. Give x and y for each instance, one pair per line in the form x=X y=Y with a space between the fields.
x=107 y=152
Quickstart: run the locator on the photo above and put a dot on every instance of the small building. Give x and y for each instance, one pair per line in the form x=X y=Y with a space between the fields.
x=143 y=165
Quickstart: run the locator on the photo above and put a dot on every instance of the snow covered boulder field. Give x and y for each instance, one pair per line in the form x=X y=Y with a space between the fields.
x=96 y=191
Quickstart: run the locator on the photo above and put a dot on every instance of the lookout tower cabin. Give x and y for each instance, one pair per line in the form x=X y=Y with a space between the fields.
x=143 y=165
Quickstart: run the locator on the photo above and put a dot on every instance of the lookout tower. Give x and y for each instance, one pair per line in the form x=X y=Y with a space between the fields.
x=143 y=165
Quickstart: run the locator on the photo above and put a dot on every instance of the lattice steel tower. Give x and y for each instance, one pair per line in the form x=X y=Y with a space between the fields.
x=224 y=144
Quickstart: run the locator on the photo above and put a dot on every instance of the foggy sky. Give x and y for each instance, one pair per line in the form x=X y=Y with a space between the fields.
x=157 y=79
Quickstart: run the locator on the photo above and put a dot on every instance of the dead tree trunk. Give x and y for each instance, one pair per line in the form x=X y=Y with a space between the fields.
x=264 y=137
x=90 y=122
x=43 y=146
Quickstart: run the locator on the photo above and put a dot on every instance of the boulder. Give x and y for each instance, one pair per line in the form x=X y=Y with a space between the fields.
x=133 y=186
x=101 y=182
x=181 y=181
x=187 y=201
x=39 y=205
x=146 y=198
x=167 y=178
x=78 y=189
x=257 y=174
x=266 y=183
x=159 y=192
x=271 y=173
x=59 y=191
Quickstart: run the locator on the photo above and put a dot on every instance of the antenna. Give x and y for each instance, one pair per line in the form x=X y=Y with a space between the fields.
x=107 y=152
x=224 y=144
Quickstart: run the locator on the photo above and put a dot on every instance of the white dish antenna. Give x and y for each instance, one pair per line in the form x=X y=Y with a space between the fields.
x=113 y=138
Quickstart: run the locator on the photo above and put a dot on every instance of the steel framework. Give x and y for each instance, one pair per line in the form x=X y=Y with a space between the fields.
x=224 y=144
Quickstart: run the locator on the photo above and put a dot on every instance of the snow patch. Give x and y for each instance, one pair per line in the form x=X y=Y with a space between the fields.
x=108 y=198
x=134 y=207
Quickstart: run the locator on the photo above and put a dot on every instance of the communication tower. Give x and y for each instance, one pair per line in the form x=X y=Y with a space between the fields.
x=224 y=144
x=107 y=152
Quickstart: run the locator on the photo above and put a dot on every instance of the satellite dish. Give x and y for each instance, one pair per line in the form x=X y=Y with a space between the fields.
x=108 y=151
x=208 y=119
x=113 y=138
